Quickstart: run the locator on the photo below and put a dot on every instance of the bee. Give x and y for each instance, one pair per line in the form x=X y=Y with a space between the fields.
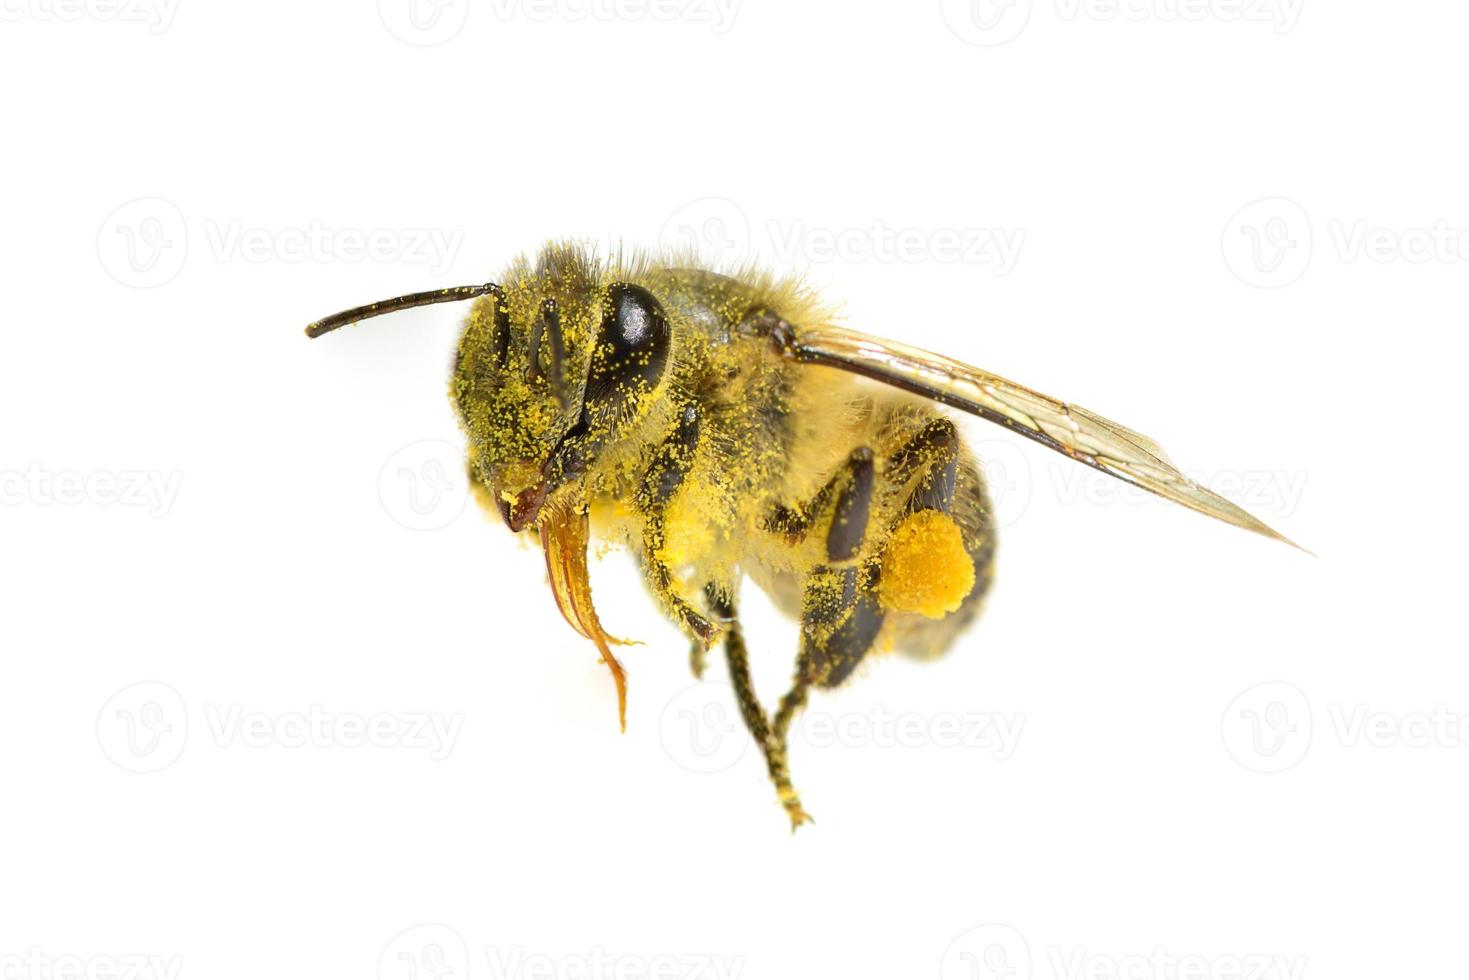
x=721 y=427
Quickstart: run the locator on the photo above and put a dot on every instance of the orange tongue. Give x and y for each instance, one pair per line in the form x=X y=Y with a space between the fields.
x=564 y=536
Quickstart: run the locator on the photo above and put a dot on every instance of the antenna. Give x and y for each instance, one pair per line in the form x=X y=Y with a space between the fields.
x=453 y=294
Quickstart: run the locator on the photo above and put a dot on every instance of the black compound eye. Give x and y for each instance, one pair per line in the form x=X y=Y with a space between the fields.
x=632 y=346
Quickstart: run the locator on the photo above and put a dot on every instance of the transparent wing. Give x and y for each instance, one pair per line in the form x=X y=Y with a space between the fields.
x=1070 y=429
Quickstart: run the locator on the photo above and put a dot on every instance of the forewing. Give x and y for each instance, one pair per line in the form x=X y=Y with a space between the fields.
x=1070 y=429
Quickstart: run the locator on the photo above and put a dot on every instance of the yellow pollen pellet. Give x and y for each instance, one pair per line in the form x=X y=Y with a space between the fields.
x=925 y=568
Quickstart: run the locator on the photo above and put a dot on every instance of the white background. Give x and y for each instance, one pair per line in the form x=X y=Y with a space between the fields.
x=300 y=547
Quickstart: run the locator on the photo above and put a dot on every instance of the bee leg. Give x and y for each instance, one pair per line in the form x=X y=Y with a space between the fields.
x=935 y=449
x=841 y=614
x=671 y=463
x=838 y=623
x=698 y=657
x=938 y=557
x=772 y=748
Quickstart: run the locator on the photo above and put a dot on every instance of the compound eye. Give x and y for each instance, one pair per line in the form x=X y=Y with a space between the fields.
x=632 y=346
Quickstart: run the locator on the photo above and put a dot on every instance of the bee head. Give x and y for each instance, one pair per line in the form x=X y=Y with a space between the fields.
x=552 y=368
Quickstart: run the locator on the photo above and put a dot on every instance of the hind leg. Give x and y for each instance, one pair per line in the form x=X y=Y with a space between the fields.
x=891 y=547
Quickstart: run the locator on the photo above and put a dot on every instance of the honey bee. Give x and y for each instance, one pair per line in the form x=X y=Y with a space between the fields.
x=721 y=427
